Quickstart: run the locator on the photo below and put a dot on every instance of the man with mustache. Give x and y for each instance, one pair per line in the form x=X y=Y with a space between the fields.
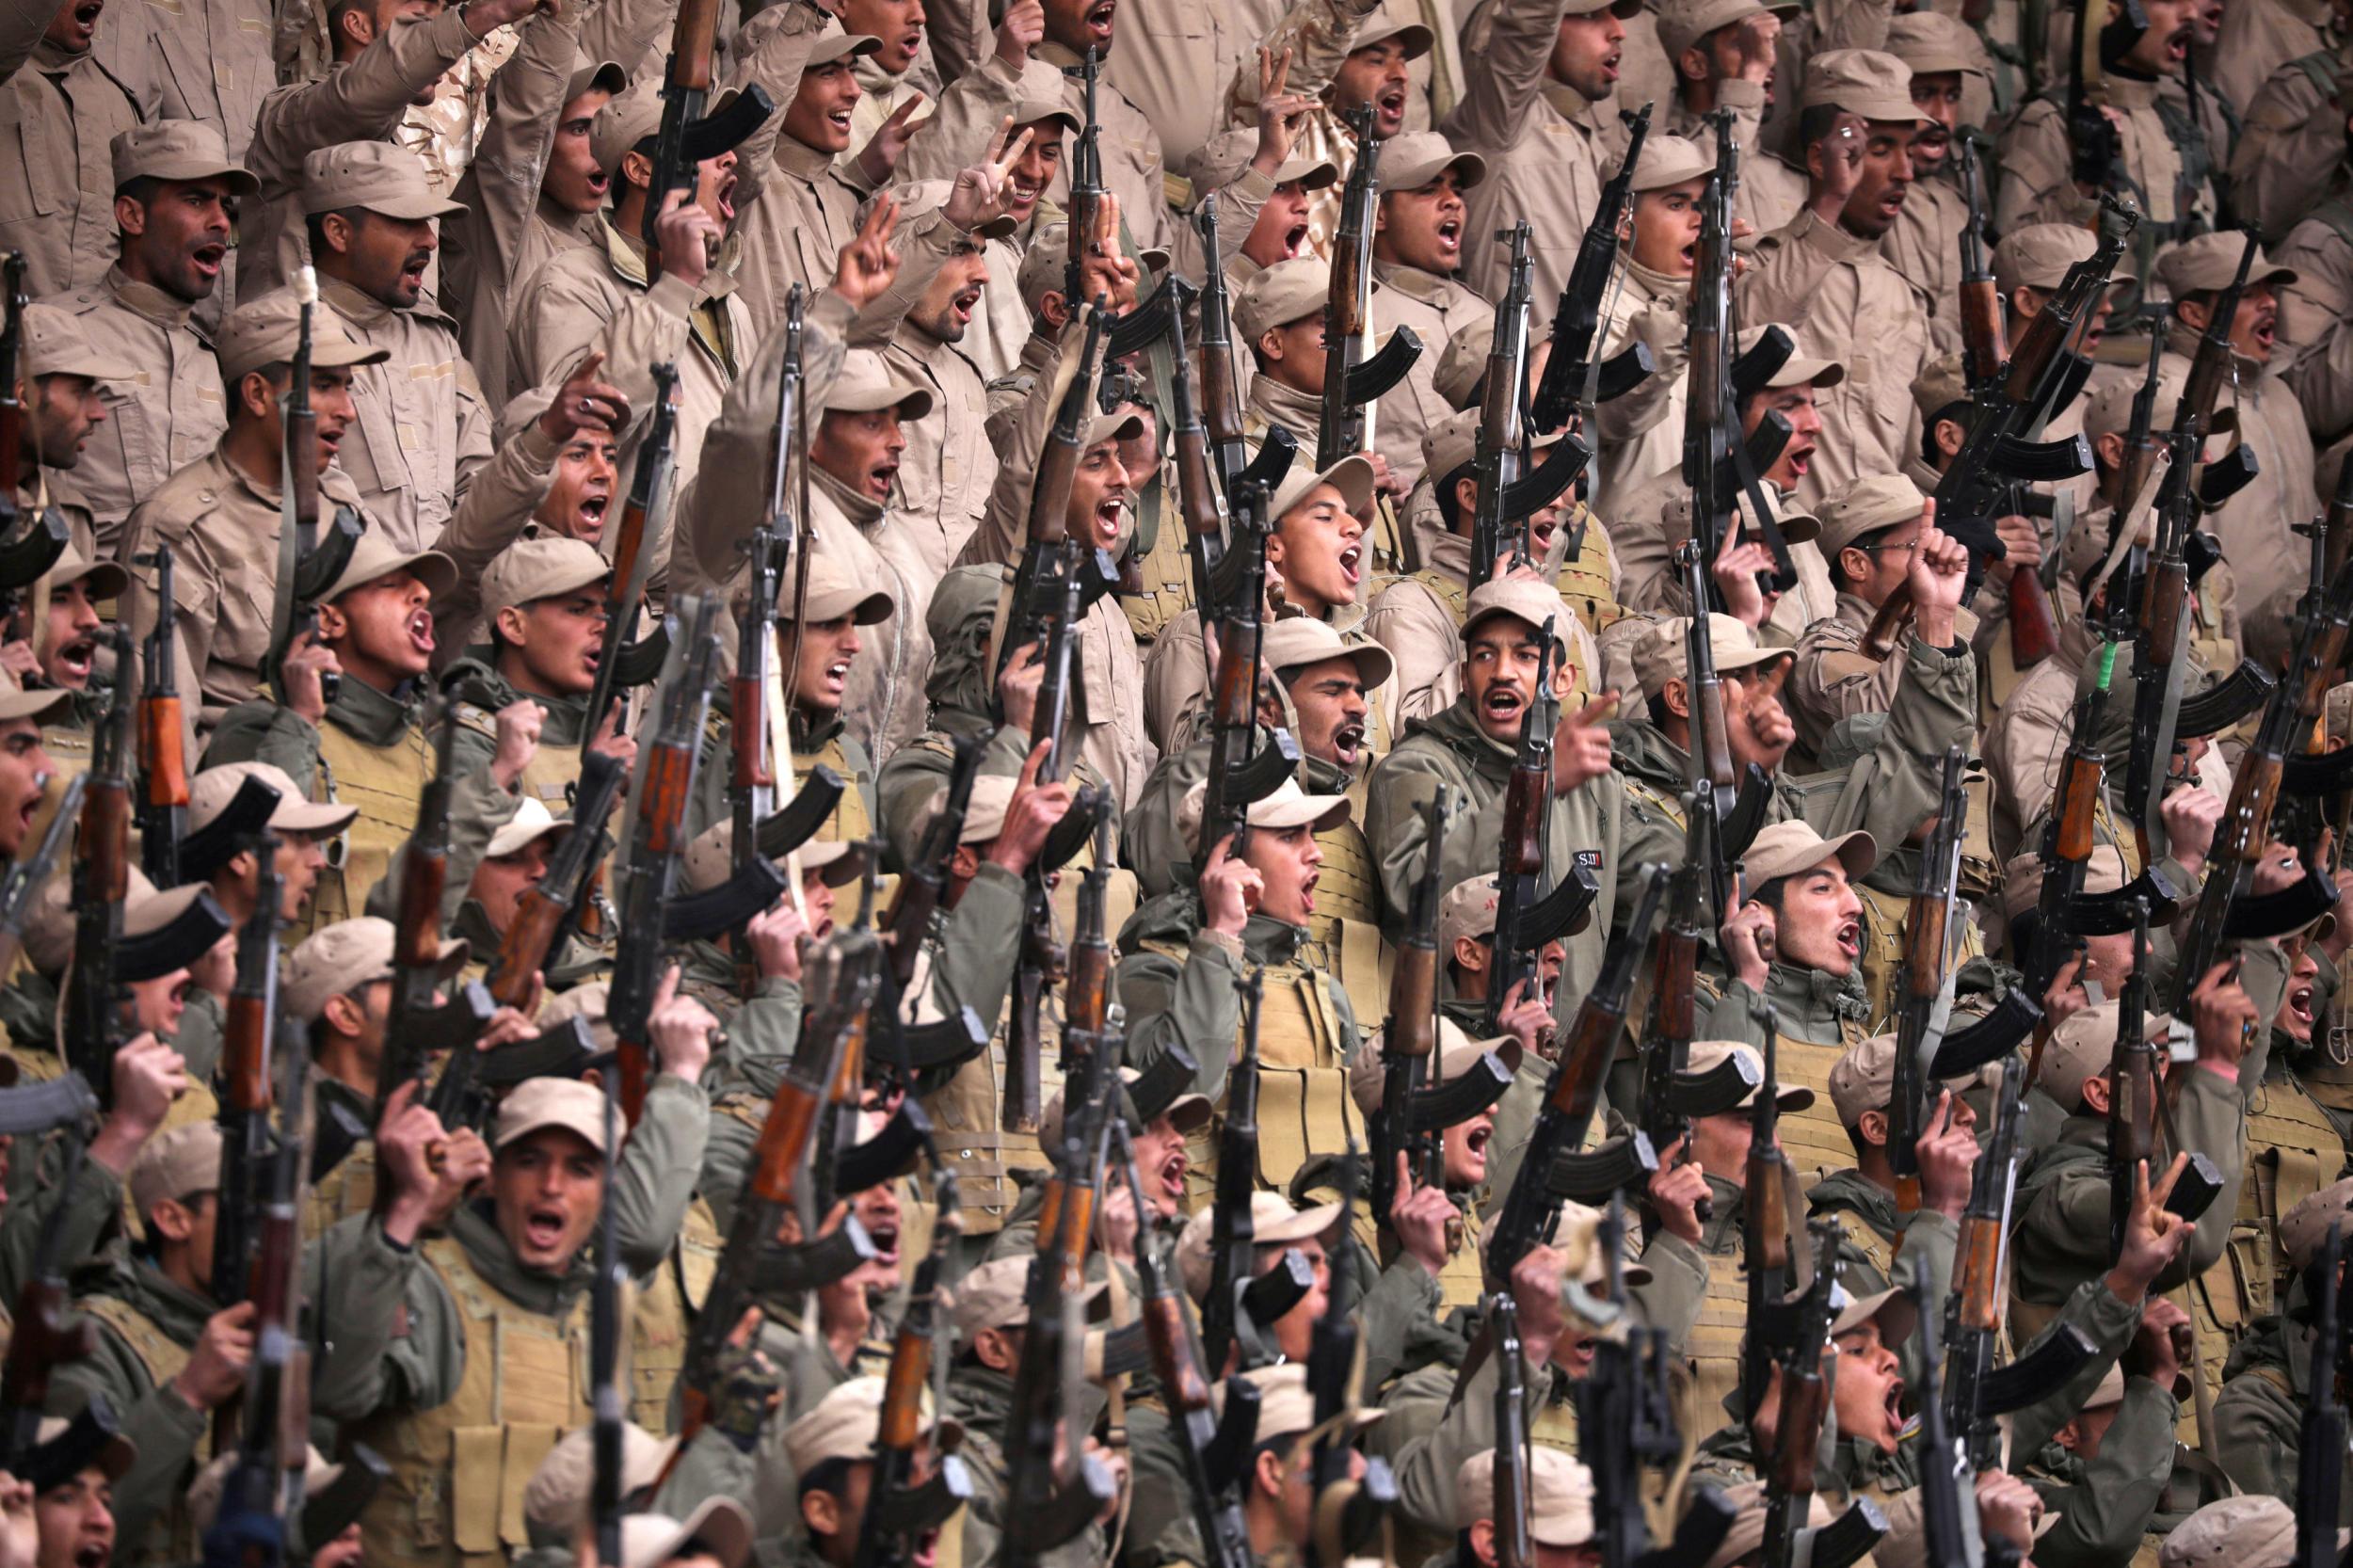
x=176 y=193
x=2270 y=565
x=66 y=111
x=2166 y=163
x=1823 y=272
x=62 y=654
x=1943 y=53
x=1724 y=54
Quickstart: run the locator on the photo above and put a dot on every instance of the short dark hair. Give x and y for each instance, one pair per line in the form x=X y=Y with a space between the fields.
x=1769 y=893
x=1957 y=411
x=314 y=225
x=1817 y=120
x=1838 y=577
x=140 y=188
x=830 y=1475
x=1449 y=507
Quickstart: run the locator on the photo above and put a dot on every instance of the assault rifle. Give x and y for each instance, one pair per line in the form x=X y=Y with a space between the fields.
x=163 y=756
x=1409 y=1040
x=1221 y=388
x=1575 y=378
x=2097 y=147
x=1051 y=561
x=1240 y=1312
x=1246 y=765
x=1767 y=1231
x=1948 y=1500
x=27 y=877
x=1509 y=1509
x=1351 y=381
x=687 y=137
x=1920 y=977
x=248 y=1144
x=533 y=933
x=1087 y=191
x=29 y=553
x=1728 y=804
x=2137 y=1109
x=2320 y=1454
x=923 y=890
x=46 y=1333
x=1528 y=919
x=1804 y=1407
x=1509 y=493
x=1347 y=1507
x=901 y=1512
x=623 y=660
x=309 y=560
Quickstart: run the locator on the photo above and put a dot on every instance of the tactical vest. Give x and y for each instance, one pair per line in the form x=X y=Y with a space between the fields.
x=664 y=1314
x=1884 y=915
x=1164 y=578
x=2293 y=1151
x=348 y=1188
x=1587 y=579
x=1865 y=1237
x=172 y=1537
x=1345 y=930
x=551 y=774
x=1554 y=1426
x=849 y=821
x=1303 y=1103
x=1714 y=1348
x=384 y=782
x=2198 y=163
x=2218 y=1319
x=1815 y=1143
x=454 y=1497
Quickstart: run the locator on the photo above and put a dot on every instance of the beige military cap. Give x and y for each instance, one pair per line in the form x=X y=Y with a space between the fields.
x=1865 y=1080
x=994 y=1296
x=530 y=823
x=2022 y=879
x=558 y=1498
x=628 y=117
x=834 y=591
x=1683 y=22
x=532 y=569
x=924 y=197
x=381 y=176
x=1451 y=444
x=1188 y=1112
x=537 y=1103
x=114 y=1456
x=56 y=344
x=1468 y=909
x=1930 y=41
x=1351 y=476
x=1273 y=1222
x=149 y=908
x=1040 y=111
x=2239 y=1533
x=2111 y=1390
x=1942 y=383
x=1286 y=1408
x=100 y=579
x=1042 y=264
x=1801 y=369
x=376 y=557
x=177 y=149
x=2208 y=263
x=867 y=383
x=1457 y=1054
x=1577 y=1235
x=264 y=331
x=210 y=792
x=1113 y=426
x=1532 y=602
x=1416 y=159
x=710 y=859
x=2304 y=1229
x=843 y=1423
x=835 y=45
x=1671 y=160
x=1560 y=1495
x=2038 y=255
x=1287 y=806
x=985 y=813
x=177 y=1163
x=1287 y=292
x=1661 y=657
x=344 y=957
x=1891 y=1310
x=1868 y=82
x=1708 y=1054
x=1413 y=35
x=651 y=1539
x=1295 y=642
x=607 y=77
x=2079 y=1052
x=586 y=1002
x=1785 y=848
x=1874 y=501
x=1462 y=364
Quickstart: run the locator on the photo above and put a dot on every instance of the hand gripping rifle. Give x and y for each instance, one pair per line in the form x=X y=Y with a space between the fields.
x=28 y=552
x=1221 y=387
x=1508 y=491
x=687 y=137
x=1087 y=190
x=309 y=560
x=1240 y=1312
x=1789 y=1541
x=1920 y=977
x=1246 y=765
x=2320 y=1454
x=902 y=1511
x=921 y=1048
x=1575 y=378
x=623 y=660
x=1409 y=1039
x=163 y=761
x=1509 y=1505
x=248 y=1145
x=533 y=933
x=1528 y=918
x=1350 y=381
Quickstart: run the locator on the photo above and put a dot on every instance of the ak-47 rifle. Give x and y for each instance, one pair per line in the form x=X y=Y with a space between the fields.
x=1347 y=1507
x=1768 y=1232
x=1238 y=1311
x=1789 y=1541
x=2097 y=148
x=1984 y=338
x=100 y=1017
x=1671 y=1095
x=2320 y=1455
x=1920 y=978
x=1575 y=378
x=1948 y=1502
x=687 y=137
x=1509 y=1509
x=1998 y=455
x=1247 y=762
x=1529 y=918
x=27 y=877
x=25 y=553
x=163 y=760
x=1976 y=1392
x=1409 y=1040
x=544 y=909
x=623 y=660
x=666 y=786
x=902 y=1511
x=1200 y=498
x=1350 y=381
x=1715 y=465
x=1728 y=803
x=1509 y=493
x=248 y=1145
x=309 y=560
x=1087 y=190
x=1221 y=388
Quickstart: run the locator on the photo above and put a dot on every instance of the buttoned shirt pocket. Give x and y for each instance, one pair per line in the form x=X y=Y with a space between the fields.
x=36 y=173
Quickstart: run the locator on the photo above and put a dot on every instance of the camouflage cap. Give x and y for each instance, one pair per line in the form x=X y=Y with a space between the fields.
x=2304 y=1228
x=1468 y=909
x=843 y=1423
x=380 y=176
x=1868 y=82
x=1871 y=502
x=2208 y=263
x=1457 y=1054
x=177 y=149
x=211 y=791
x=1294 y=642
x=177 y=1163
x=559 y=1495
x=1942 y=383
x=1930 y=41
x=719 y=1523
x=1785 y=848
x=344 y=957
x=376 y=557
x=1661 y=655
x=1287 y=292
x=1416 y=158
x=56 y=344
x=2256 y=1532
x=1272 y=1221
x=265 y=332
x=1560 y=1495
x=1685 y=23
x=529 y=570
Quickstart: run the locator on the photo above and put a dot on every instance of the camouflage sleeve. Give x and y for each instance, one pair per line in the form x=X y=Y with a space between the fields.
x=93 y=1202
x=2108 y=1322
x=762 y=1035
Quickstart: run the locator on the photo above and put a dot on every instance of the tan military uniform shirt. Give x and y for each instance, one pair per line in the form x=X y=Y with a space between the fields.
x=1836 y=287
x=2256 y=38
x=1833 y=677
x=2315 y=347
x=1173 y=60
x=1771 y=192
x=805 y=213
x=361 y=100
x=158 y=423
x=423 y=428
x=883 y=706
x=2290 y=148
x=1436 y=309
x=1924 y=246
x=56 y=175
x=948 y=467
x=2037 y=183
x=1640 y=433
x=208 y=62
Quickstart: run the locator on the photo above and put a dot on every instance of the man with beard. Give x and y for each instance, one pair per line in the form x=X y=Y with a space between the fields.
x=389 y=55
x=175 y=192
x=1724 y=53
x=66 y=110
x=2163 y=162
x=1417 y=251
x=478 y=1326
x=1823 y=271
x=1539 y=111
x=59 y=387
x=62 y=654
x=420 y=427
x=1941 y=52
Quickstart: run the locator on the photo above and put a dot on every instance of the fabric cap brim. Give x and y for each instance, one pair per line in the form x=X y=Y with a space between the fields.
x=605 y=75
x=32 y=705
x=834 y=47
x=186 y=170
x=100 y=579
x=1316 y=812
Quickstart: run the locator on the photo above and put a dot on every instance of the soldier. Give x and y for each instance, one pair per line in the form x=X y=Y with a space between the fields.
x=512 y=863
x=1796 y=942
x=65 y=112
x=1279 y=314
x=1185 y=952
x=71 y=1474
x=1641 y=431
x=167 y=1355
x=175 y=196
x=387 y=55
x=1724 y=54
x=2285 y=165
x=62 y=369
x=898 y=73
x=2258 y=1417
x=421 y=426
x=1134 y=169
x=1416 y=253
x=497 y=1331
x=1941 y=54
x=1161 y=1119
x=1869 y=1459
x=824 y=1464
x=1560 y=1510
x=306 y=835
x=2288 y=1130
x=2318 y=244
x=64 y=656
x=1823 y=270
x=2105 y=1472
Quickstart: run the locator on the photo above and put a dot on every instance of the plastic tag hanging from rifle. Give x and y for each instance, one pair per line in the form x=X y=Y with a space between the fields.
x=687 y=137
x=1510 y=492
x=1221 y=386
x=27 y=552
x=624 y=661
x=1576 y=380
x=310 y=554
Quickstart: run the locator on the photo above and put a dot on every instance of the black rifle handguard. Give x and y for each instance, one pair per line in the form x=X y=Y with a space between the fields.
x=1459 y=1097
x=726 y=128
x=1226 y=1453
x=784 y=1270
